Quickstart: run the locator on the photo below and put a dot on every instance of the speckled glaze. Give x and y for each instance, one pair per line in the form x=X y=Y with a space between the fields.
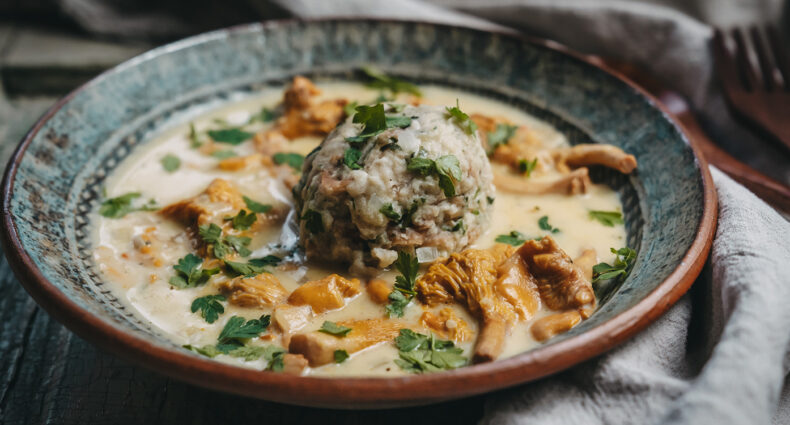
x=55 y=178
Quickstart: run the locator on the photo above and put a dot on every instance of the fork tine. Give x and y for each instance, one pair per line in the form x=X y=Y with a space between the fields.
x=780 y=55
x=727 y=67
x=745 y=57
x=770 y=72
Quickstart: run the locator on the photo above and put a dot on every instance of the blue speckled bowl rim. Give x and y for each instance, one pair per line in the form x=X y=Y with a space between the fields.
x=358 y=392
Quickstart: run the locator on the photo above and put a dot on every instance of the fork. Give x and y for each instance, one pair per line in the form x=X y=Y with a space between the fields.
x=755 y=72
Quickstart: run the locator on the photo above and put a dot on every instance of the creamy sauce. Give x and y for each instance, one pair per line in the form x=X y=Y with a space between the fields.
x=144 y=286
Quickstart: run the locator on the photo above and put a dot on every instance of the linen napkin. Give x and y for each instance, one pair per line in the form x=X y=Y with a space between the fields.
x=721 y=354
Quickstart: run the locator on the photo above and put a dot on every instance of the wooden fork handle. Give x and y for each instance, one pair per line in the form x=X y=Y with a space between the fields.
x=766 y=188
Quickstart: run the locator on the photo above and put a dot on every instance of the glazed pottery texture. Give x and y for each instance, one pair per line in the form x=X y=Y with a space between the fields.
x=54 y=185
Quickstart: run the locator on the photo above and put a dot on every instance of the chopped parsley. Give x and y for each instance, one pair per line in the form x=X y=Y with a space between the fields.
x=189 y=272
x=461 y=119
x=514 y=238
x=274 y=355
x=351 y=158
x=619 y=270
x=256 y=207
x=170 y=162
x=349 y=108
x=295 y=160
x=403 y=291
x=248 y=269
x=374 y=122
x=446 y=168
x=223 y=245
x=543 y=223
x=398 y=121
x=121 y=205
x=243 y=220
x=340 y=356
x=501 y=136
x=231 y=136
x=527 y=167
x=458 y=225
x=390 y=213
x=420 y=353
x=209 y=306
x=238 y=329
x=607 y=218
x=224 y=154
x=269 y=260
x=333 y=328
x=382 y=81
x=265 y=115
x=313 y=221
x=194 y=139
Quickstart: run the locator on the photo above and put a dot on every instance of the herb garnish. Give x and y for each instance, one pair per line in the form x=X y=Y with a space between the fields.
x=340 y=356
x=384 y=82
x=189 y=272
x=607 y=218
x=238 y=329
x=121 y=205
x=390 y=213
x=622 y=265
x=248 y=269
x=462 y=119
x=209 y=306
x=419 y=353
x=374 y=122
x=501 y=136
x=514 y=238
x=223 y=245
x=170 y=162
x=295 y=160
x=224 y=154
x=349 y=108
x=313 y=221
x=256 y=207
x=527 y=167
x=231 y=136
x=351 y=158
x=243 y=220
x=333 y=328
x=264 y=116
x=403 y=291
x=446 y=168
x=194 y=139
x=543 y=223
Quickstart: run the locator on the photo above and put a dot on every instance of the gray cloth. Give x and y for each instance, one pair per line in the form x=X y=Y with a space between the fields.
x=718 y=355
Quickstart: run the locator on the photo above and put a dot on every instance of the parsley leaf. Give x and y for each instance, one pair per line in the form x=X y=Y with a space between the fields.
x=349 y=108
x=384 y=82
x=501 y=135
x=313 y=221
x=372 y=118
x=243 y=220
x=421 y=165
x=622 y=265
x=194 y=139
x=351 y=158
x=607 y=218
x=340 y=356
x=225 y=154
x=269 y=260
x=514 y=238
x=295 y=160
x=390 y=213
x=403 y=291
x=189 y=272
x=449 y=170
x=237 y=328
x=419 y=353
x=274 y=355
x=222 y=246
x=170 y=163
x=398 y=121
x=256 y=207
x=209 y=306
x=245 y=269
x=333 y=328
x=543 y=223
x=462 y=119
x=527 y=167
x=231 y=136
x=119 y=206
x=265 y=115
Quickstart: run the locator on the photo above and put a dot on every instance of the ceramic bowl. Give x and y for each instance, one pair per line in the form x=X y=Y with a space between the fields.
x=54 y=181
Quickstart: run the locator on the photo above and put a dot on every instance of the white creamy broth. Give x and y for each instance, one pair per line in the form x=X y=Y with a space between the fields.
x=144 y=286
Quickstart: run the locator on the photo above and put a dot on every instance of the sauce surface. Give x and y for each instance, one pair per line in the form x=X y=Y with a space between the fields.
x=143 y=284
